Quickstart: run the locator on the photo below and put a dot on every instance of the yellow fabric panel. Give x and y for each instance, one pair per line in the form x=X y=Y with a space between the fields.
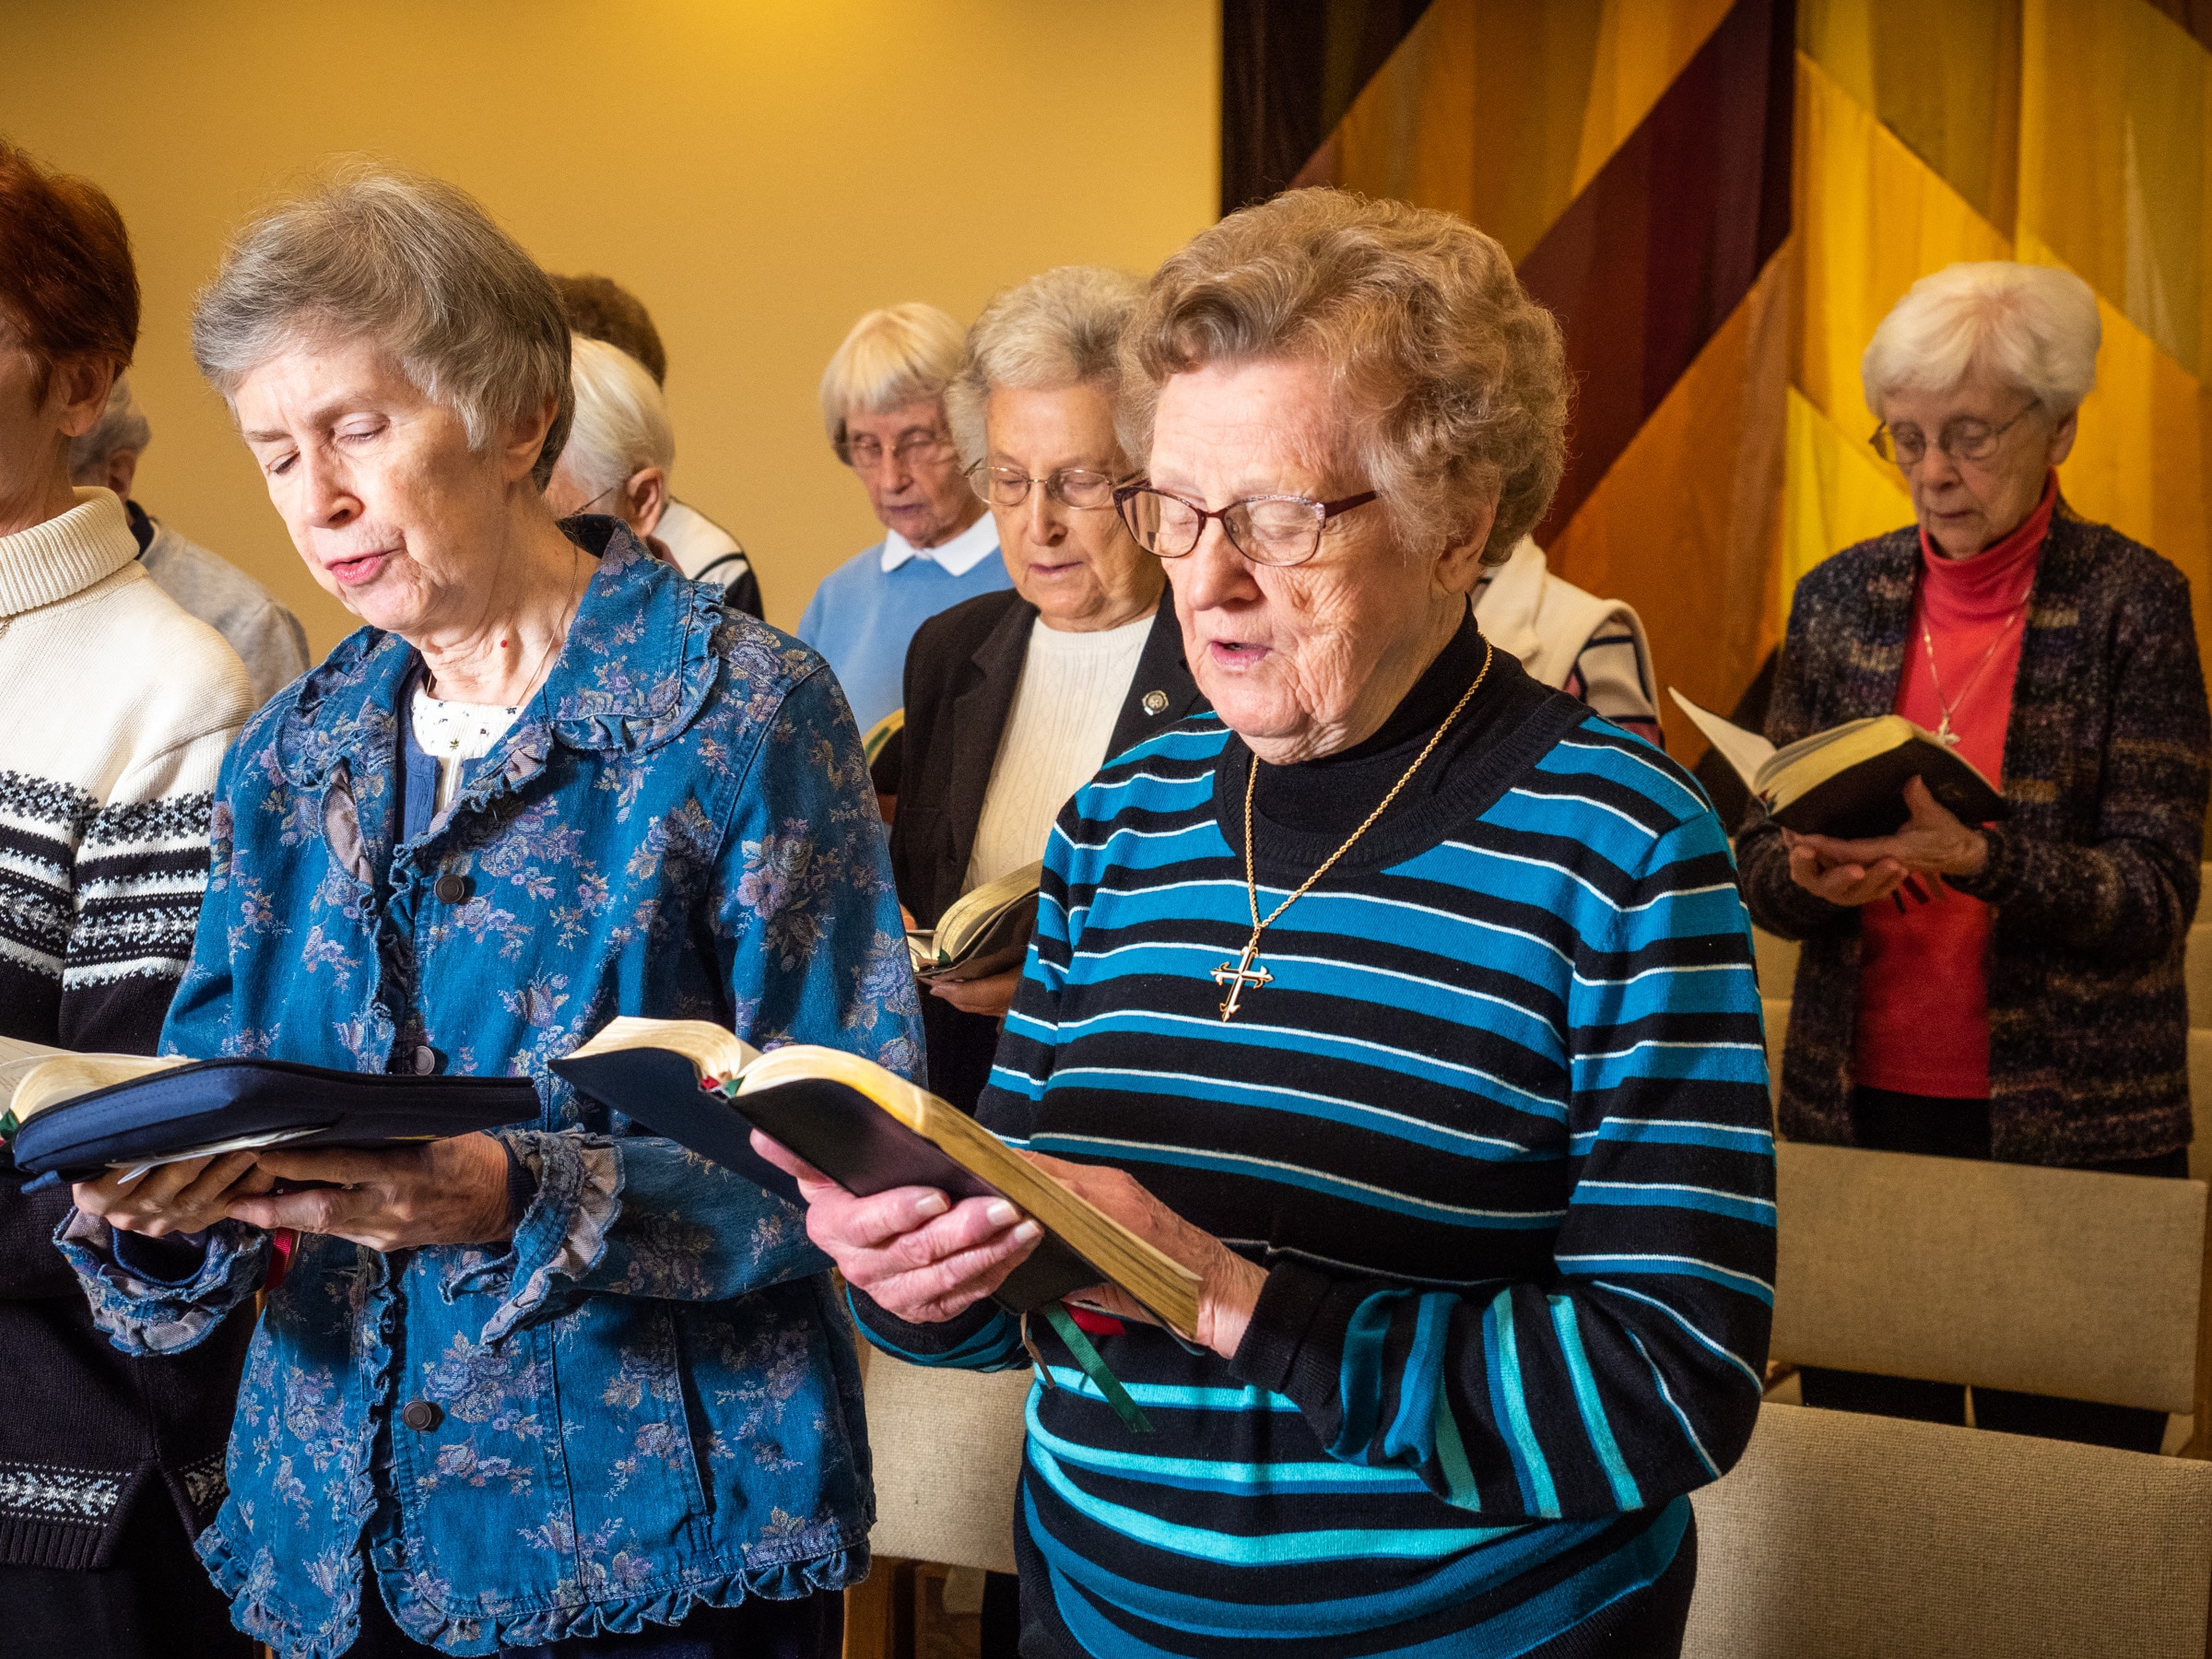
x=1838 y=492
x=1945 y=79
x=2141 y=463
x=1685 y=523
x=1641 y=46
x=1557 y=87
x=2113 y=169
x=1872 y=219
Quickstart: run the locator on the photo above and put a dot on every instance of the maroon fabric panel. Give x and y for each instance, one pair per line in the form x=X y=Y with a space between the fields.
x=1658 y=249
x=2195 y=16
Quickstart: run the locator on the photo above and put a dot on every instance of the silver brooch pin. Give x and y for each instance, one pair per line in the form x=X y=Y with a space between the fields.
x=1155 y=702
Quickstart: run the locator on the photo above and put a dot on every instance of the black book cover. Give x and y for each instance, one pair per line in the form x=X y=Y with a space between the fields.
x=214 y=1100
x=833 y=1126
x=1866 y=800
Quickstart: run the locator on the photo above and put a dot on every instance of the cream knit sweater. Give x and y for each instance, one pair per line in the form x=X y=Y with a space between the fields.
x=115 y=709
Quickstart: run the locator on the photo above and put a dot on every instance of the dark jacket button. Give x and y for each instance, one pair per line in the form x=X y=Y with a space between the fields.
x=450 y=889
x=422 y=1416
x=426 y=1061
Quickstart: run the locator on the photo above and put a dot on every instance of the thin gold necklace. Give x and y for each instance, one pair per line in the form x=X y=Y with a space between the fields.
x=1927 y=641
x=1245 y=974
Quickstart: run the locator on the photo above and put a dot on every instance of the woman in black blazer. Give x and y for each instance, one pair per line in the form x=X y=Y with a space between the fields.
x=1014 y=700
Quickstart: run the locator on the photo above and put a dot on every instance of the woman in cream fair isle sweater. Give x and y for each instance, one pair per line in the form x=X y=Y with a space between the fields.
x=122 y=705
x=115 y=708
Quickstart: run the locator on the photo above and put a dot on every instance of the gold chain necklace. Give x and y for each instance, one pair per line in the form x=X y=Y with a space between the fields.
x=1927 y=641
x=1244 y=974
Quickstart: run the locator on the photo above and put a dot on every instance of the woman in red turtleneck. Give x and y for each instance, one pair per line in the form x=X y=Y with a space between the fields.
x=2010 y=990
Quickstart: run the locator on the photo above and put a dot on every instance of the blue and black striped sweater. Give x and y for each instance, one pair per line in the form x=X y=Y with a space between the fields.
x=1499 y=1129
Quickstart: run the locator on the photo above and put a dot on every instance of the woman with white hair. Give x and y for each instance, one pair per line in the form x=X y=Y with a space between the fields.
x=620 y=447
x=1015 y=698
x=883 y=406
x=2010 y=990
x=564 y=1385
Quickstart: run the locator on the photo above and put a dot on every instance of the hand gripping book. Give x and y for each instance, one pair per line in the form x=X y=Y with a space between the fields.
x=980 y=933
x=869 y=1131
x=1849 y=781
x=70 y=1116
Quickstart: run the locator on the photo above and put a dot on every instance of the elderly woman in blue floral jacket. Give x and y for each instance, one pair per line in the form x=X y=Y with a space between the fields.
x=565 y=1383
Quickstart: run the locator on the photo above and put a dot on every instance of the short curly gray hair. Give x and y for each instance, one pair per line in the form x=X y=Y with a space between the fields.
x=1060 y=329
x=1451 y=383
x=413 y=263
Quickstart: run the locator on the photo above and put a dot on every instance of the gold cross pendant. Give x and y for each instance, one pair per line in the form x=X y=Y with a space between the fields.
x=1242 y=977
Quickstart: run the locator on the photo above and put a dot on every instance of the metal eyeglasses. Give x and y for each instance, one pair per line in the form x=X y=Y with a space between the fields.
x=1075 y=487
x=1965 y=439
x=866 y=454
x=1269 y=529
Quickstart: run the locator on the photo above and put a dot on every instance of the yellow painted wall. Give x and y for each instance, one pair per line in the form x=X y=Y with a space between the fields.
x=759 y=172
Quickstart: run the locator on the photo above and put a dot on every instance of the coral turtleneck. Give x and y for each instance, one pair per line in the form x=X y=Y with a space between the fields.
x=1924 y=994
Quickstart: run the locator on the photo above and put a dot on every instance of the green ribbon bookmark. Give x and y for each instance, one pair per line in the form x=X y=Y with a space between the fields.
x=1095 y=1368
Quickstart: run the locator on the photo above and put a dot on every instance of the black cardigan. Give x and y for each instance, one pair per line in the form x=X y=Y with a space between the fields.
x=962 y=673
x=2093 y=876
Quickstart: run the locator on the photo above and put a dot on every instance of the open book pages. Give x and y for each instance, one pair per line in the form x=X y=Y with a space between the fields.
x=1162 y=1284
x=982 y=931
x=719 y=1055
x=838 y=1110
x=1781 y=778
x=33 y=1077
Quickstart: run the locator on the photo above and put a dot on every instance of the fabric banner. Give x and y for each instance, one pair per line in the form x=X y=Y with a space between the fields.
x=1723 y=201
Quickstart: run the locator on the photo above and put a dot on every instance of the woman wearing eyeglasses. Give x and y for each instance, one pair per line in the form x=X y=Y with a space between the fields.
x=2010 y=990
x=1406 y=1001
x=1014 y=700
x=883 y=407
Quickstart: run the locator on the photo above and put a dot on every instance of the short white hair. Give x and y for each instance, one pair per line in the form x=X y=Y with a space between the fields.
x=621 y=425
x=895 y=356
x=121 y=425
x=2033 y=326
x=1058 y=330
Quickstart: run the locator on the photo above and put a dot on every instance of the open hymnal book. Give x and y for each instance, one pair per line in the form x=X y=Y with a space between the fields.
x=33 y=1077
x=982 y=932
x=72 y=1115
x=869 y=1130
x=1849 y=781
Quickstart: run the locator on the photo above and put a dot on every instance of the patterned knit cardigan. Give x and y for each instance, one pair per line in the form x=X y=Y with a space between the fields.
x=2093 y=876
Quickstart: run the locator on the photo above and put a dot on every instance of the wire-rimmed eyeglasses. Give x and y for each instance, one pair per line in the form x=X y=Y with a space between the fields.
x=1965 y=439
x=1075 y=487
x=1267 y=529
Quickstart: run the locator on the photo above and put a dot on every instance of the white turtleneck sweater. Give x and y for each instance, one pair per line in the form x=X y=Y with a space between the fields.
x=115 y=708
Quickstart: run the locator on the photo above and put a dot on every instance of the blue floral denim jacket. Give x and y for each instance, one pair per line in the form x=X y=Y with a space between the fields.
x=650 y=1399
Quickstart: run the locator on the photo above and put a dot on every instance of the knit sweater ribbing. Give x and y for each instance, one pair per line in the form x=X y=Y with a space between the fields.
x=115 y=709
x=1497 y=1127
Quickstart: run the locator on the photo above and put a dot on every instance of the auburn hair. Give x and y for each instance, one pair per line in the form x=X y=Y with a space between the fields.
x=69 y=286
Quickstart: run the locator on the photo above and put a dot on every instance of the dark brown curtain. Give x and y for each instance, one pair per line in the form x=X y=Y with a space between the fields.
x=1289 y=69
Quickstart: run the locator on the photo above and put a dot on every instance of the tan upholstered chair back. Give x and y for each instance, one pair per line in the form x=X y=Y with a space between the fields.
x=2054 y=1281
x=946 y=1446
x=2200 y=1102
x=1777 y=959
x=1840 y=1536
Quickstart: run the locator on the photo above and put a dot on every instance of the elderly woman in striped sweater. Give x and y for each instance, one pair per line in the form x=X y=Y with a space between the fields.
x=1406 y=1001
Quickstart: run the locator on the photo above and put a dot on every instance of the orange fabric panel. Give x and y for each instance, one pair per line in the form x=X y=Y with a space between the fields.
x=1500 y=110
x=1687 y=523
